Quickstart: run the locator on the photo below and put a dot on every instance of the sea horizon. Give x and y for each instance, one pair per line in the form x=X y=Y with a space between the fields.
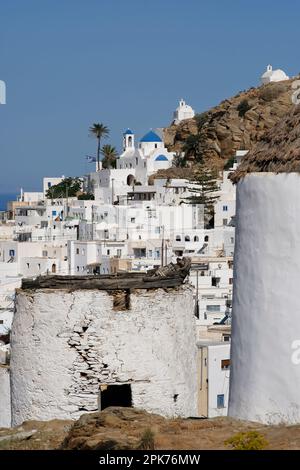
x=4 y=198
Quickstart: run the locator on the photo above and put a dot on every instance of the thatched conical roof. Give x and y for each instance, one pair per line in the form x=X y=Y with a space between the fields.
x=277 y=152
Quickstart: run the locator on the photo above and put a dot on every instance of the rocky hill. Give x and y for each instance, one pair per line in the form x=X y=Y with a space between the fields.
x=235 y=124
x=128 y=428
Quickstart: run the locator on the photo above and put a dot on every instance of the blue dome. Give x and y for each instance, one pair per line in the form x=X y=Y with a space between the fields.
x=128 y=131
x=151 y=137
x=161 y=158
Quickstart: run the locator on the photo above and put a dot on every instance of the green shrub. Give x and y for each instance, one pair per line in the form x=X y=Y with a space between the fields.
x=251 y=440
x=272 y=92
x=201 y=119
x=229 y=164
x=147 y=440
x=243 y=107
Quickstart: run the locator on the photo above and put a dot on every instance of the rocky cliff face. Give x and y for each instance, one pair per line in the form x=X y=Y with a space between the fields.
x=235 y=124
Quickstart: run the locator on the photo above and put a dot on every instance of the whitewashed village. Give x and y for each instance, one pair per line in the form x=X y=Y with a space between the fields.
x=90 y=316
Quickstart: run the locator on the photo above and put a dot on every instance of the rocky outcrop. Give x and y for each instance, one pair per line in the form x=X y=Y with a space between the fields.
x=236 y=123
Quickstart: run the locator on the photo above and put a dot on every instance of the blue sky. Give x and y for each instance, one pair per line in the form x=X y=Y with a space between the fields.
x=69 y=63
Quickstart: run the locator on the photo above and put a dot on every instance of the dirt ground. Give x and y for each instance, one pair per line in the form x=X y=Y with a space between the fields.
x=124 y=428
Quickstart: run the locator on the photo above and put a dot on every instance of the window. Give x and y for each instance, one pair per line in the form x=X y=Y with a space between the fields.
x=39 y=266
x=178 y=238
x=206 y=238
x=119 y=253
x=226 y=338
x=155 y=146
x=28 y=265
x=53 y=212
x=49 y=184
x=45 y=253
x=230 y=280
x=132 y=220
x=108 y=252
x=196 y=239
x=11 y=252
x=77 y=251
x=77 y=269
x=225 y=208
x=225 y=364
x=220 y=401
x=213 y=308
x=187 y=238
x=150 y=253
x=232 y=240
x=136 y=161
x=215 y=281
x=83 y=251
x=224 y=221
x=157 y=229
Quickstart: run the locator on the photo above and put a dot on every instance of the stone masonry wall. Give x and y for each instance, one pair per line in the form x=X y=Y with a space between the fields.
x=66 y=344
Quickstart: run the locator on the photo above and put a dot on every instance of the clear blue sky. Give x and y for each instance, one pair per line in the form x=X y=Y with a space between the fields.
x=69 y=63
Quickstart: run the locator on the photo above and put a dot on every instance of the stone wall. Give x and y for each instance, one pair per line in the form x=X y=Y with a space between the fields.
x=5 y=414
x=66 y=344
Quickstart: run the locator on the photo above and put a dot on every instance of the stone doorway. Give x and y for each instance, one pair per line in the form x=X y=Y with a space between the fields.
x=115 y=395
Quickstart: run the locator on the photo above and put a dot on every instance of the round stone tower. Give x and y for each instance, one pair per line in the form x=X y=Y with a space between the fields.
x=82 y=350
x=265 y=350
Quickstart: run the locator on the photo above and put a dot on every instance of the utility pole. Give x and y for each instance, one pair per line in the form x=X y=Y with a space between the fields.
x=92 y=223
x=67 y=202
x=197 y=295
x=166 y=253
x=112 y=190
x=162 y=245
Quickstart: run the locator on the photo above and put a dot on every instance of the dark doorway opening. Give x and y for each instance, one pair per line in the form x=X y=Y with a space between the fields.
x=116 y=395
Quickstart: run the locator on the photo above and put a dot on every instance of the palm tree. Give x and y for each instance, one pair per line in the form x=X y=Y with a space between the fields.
x=110 y=156
x=100 y=131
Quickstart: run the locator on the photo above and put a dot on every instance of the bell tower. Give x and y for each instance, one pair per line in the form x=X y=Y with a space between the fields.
x=128 y=140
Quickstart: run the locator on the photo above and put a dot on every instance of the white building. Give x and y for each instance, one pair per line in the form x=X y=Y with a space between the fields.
x=271 y=75
x=184 y=111
x=48 y=182
x=213 y=378
x=150 y=156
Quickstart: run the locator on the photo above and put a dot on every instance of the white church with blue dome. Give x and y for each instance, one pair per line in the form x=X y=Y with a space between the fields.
x=145 y=159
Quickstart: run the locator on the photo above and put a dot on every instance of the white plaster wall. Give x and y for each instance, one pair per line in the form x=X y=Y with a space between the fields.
x=64 y=344
x=265 y=376
x=5 y=414
x=218 y=379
